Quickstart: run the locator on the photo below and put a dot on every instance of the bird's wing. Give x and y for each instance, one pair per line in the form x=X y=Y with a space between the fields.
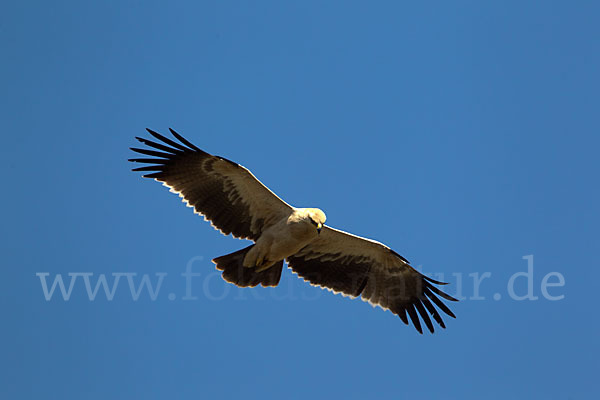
x=224 y=192
x=355 y=266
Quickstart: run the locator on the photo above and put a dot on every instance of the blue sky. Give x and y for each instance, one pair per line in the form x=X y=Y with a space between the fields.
x=462 y=134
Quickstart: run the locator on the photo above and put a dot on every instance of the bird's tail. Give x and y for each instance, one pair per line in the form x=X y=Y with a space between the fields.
x=235 y=272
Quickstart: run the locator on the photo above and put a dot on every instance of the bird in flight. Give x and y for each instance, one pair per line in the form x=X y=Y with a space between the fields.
x=236 y=203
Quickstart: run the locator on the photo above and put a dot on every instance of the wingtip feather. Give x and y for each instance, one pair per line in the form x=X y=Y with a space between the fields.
x=184 y=140
x=414 y=318
x=424 y=316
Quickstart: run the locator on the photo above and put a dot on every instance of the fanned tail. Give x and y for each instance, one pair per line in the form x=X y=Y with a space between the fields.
x=235 y=272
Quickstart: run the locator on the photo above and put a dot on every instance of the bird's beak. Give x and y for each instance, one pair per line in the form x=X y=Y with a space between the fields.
x=319 y=227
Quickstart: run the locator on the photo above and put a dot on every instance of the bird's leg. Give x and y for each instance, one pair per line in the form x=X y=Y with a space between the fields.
x=251 y=257
x=259 y=260
x=265 y=264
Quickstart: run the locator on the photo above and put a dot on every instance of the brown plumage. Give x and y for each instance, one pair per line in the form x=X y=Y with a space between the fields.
x=237 y=203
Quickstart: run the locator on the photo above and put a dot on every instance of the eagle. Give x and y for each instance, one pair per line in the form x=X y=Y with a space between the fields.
x=235 y=202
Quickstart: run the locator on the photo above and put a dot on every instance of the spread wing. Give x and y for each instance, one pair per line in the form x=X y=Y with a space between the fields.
x=224 y=192
x=355 y=266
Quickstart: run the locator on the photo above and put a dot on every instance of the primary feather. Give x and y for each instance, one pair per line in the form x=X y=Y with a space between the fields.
x=237 y=203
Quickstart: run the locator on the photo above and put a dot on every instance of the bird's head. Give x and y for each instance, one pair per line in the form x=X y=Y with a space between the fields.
x=316 y=217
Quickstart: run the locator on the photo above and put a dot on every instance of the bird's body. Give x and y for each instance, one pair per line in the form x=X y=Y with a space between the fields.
x=237 y=203
x=284 y=238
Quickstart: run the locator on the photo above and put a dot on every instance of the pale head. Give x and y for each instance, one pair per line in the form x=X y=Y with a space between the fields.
x=315 y=217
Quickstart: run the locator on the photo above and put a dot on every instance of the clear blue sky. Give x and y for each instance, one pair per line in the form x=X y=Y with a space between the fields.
x=462 y=134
